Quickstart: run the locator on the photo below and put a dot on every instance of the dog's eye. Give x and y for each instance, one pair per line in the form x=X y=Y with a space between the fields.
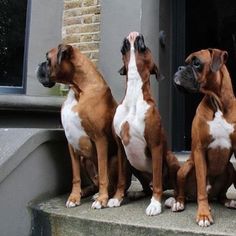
x=196 y=63
x=48 y=61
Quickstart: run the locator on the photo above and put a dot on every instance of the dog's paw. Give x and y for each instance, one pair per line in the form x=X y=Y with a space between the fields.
x=169 y=202
x=174 y=205
x=114 y=202
x=96 y=205
x=73 y=201
x=70 y=204
x=154 y=208
x=204 y=223
x=177 y=206
x=204 y=218
x=100 y=202
x=231 y=204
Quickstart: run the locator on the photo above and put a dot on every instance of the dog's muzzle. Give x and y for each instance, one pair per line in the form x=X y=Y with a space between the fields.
x=139 y=45
x=43 y=75
x=185 y=80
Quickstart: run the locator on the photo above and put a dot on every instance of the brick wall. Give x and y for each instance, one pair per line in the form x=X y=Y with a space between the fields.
x=81 y=26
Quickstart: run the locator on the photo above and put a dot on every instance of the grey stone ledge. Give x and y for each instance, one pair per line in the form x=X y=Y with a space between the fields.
x=31 y=103
x=17 y=143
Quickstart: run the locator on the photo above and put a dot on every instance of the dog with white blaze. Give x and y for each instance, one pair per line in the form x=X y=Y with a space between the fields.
x=208 y=173
x=87 y=116
x=137 y=123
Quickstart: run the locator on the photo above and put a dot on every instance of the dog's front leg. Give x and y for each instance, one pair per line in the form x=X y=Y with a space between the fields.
x=74 y=198
x=204 y=217
x=102 y=155
x=123 y=177
x=154 y=207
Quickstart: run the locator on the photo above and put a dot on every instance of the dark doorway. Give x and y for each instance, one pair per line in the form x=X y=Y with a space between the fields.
x=208 y=24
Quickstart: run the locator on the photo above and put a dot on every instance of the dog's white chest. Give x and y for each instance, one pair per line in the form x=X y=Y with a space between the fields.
x=220 y=131
x=133 y=110
x=71 y=121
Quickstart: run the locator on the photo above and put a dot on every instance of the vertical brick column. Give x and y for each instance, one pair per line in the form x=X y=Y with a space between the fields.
x=81 y=26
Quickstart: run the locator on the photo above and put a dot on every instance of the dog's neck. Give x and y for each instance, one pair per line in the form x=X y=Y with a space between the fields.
x=86 y=76
x=137 y=82
x=221 y=96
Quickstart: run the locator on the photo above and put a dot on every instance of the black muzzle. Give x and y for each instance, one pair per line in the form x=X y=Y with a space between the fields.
x=43 y=75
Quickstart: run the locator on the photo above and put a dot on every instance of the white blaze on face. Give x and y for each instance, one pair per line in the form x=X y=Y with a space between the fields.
x=220 y=131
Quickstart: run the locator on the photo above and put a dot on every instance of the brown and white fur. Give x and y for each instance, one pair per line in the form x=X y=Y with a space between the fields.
x=208 y=173
x=137 y=122
x=87 y=116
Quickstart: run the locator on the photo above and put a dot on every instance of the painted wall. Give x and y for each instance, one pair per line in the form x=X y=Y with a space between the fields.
x=118 y=18
x=45 y=26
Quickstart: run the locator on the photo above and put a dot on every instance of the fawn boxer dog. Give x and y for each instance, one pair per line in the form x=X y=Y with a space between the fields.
x=137 y=122
x=208 y=173
x=87 y=116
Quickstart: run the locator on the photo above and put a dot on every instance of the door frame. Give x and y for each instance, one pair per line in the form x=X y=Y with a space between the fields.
x=178 y=58
x=171 y=56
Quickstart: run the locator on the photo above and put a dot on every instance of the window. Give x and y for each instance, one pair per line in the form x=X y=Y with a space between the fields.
x=13 y=14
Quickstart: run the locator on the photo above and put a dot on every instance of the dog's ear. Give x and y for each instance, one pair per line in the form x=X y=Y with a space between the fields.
x=64 y=52
x=122 y=71
x=155 y=71
x=218 y=59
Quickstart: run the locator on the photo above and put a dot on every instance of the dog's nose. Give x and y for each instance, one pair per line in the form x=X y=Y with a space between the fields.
x=132 y=36
x=180 y=68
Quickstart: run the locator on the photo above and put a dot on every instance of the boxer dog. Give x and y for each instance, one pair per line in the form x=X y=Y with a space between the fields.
x=137 y=122
x=208 y=173
x=87 y=116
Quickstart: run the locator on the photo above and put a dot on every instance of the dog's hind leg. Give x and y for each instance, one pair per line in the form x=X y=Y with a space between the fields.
x=124 y=177
x=182 y=174
x=173 y=167
x=228 y=179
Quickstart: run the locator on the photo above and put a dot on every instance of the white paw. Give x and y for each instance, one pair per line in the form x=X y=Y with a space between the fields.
x=70 y=204
x=231 y=204
x=114 y=202
x=169 y=202
x=154 y=208
x=96 y=205
x=204 y=223
x=177 y=206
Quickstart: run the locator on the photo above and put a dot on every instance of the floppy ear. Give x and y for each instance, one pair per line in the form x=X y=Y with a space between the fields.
x=64 y=52
x=157 y=73
x=122 y=71
x=218 y=59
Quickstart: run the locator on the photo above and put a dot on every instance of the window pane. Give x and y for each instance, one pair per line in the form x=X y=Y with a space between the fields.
x=12 y=40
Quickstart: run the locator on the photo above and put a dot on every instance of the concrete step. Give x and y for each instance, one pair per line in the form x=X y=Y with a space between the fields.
x=53 y=218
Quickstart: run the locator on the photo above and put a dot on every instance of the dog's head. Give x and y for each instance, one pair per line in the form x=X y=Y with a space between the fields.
x=142 y=60
x=200 y=70
x=58 y=66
